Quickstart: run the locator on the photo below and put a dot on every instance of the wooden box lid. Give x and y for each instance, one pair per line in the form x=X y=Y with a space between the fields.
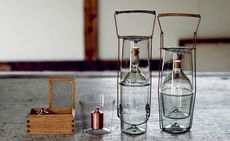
x=61 y=92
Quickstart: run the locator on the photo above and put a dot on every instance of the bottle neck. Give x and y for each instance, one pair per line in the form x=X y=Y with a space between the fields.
x=134 y=63
x=134 y=59
x=134 y=76
x=177 y=70
x=177 y=66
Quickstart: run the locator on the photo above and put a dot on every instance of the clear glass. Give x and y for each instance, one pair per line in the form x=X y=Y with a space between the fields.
x=61 y=90
x=88 y=104
x=134 y=84
x=177 y=89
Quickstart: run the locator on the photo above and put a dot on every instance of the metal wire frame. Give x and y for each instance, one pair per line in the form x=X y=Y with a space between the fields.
x=119 y=37
x=162 y=47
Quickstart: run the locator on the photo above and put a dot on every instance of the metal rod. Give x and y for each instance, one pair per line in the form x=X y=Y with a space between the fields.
x=136 y=11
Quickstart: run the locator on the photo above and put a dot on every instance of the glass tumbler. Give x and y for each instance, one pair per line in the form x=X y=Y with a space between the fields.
x=97 y=113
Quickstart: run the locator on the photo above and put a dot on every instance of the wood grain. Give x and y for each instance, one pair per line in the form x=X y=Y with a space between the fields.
x=50 y=124
x=99 y=65
x=90 y=29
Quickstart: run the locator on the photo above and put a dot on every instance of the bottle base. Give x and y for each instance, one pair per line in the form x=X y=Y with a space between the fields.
x=97 y=131
x=133 y=130
x=176 y=129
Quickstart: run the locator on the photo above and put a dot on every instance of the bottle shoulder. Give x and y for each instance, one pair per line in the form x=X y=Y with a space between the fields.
x=134 y=79
x=177 y=75
x=176 y=80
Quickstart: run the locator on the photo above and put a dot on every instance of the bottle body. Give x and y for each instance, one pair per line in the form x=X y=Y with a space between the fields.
x=133 y=108
x=176 y=104
x=176 y=96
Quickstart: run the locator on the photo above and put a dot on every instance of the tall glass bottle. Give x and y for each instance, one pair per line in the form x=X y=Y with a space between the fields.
x=134 y=108
x=134 y=76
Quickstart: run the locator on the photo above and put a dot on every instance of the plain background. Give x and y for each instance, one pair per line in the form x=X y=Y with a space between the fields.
x=52 y=30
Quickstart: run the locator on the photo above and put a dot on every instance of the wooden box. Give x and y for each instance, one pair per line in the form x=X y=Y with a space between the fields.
x=54 y=119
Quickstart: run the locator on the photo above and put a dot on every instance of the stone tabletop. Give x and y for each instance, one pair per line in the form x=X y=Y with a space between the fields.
x=19 y=92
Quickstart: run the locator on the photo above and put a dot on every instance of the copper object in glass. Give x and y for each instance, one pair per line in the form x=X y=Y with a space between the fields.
x=97 y=119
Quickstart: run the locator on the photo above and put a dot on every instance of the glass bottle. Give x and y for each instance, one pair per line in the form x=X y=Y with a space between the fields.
x=134 y=106
x=177 y=94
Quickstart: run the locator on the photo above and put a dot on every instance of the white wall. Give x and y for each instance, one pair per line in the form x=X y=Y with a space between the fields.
x=213 y=57
x=46 y=30
x=215 y=21
x=41 y=30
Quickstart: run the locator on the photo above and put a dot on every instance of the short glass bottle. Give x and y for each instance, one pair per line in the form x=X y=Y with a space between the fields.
x=176 y=100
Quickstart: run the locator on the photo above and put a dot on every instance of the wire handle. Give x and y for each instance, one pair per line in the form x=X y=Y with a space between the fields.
x=135 y=11
x=162 y=47
x=178 y=15
x=116 y=13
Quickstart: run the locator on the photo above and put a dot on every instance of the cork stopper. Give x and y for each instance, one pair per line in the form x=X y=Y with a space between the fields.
x=177 y=63
x=135 y=51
